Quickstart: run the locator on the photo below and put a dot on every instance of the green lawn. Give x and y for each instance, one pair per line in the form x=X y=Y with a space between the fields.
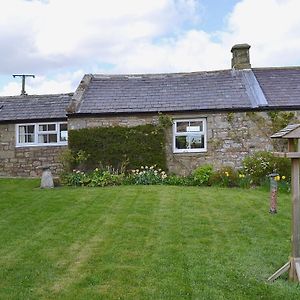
x=141 y=242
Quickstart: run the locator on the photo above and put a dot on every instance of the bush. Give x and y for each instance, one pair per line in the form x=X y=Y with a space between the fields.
x=146 y=175
x=226 y=177
x=116 y=146
x=202 y=174
x=95 y=178
x=180 y=180
x=76 y=178
x=261 y=164
x=104 y=178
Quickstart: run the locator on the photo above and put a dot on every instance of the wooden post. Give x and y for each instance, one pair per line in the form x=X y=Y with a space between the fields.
x=292 y=133
x=295 y=214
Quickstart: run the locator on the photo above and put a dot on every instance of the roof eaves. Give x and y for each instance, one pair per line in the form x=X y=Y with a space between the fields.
x=285 y=131
x=33 y=120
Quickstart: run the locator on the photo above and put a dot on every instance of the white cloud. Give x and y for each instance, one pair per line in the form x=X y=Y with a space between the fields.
x=271 y=27
x=51 y=37
x=188 y=52
x=61 y=83
x=42 y=37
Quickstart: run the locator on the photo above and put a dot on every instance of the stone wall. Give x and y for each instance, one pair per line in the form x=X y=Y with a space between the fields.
x=230 y=137
x=25 y=161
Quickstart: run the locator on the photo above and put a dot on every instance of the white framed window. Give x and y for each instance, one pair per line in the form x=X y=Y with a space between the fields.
x=189 y=135
x=42 y=134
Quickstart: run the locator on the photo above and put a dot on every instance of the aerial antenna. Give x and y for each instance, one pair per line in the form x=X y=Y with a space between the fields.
x=23 y=92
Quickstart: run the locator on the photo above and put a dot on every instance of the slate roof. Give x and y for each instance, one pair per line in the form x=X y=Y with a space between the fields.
x=34 y=107
x=232 y=90
x=281 y=86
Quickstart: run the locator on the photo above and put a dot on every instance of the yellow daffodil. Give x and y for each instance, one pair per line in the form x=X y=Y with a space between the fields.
x=277 y=178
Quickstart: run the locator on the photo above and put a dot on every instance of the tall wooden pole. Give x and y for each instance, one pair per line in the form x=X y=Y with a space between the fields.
x=295 y=211
x=292 y=133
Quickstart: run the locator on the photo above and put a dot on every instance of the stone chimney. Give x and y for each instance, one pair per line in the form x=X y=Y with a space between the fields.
x=240 y=56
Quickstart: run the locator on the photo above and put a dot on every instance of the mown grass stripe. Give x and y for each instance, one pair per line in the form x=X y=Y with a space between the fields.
x=141 y=242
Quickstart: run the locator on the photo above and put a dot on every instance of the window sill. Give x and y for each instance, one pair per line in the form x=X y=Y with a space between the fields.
x=190 y=152
x=41 y=145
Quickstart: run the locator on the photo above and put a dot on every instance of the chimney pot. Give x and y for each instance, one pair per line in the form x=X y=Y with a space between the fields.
x=240 y=56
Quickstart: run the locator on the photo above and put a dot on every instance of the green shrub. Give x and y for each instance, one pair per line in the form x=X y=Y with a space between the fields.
x=261 y=164
x=202 y=174
x=76 y=178
x=116 y=146
x=180 y=180
x=146 y=175
x=244 y=181
x=95 y=178
x=104 y=178
x=71 y=161
x=225 y=177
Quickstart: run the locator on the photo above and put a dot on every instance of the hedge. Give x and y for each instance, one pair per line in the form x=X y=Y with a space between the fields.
x=116 y=146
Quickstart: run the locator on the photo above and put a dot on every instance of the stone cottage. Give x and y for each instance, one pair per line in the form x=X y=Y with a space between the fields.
x=33 y=132
x=219 y=117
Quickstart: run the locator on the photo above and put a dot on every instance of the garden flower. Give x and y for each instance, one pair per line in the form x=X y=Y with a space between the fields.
x=241 y=175
x=227 y=174
x=96 y=169
x=142 y=167
x=146 y=167
x=277 y=178
x=283 y=177
x=151 y=167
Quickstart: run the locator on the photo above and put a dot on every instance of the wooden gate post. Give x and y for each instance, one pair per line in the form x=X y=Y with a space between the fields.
x=292 y=133
x=295 y=211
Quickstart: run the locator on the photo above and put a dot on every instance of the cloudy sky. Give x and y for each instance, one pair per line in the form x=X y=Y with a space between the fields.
x=60 y=40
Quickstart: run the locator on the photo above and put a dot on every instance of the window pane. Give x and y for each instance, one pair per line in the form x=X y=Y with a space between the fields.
x=43 y=138
x=63 y=127
x=51 y=127
x=26 y=134
x=22 y=134
x=182 y=126
x=42 y=127
x=196 y=126
x=30 y=128
x=29 y=138
x=47 y=138
x=63 y=134
x=181 y=142
x=47 y=127
x=197 y=142
x=21 y=138
x=52 y=138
